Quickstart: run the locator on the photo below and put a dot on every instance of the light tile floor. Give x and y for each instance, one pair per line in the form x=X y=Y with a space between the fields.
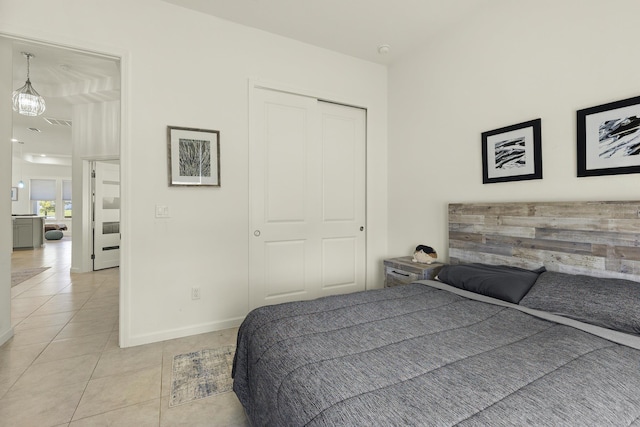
x=63 y=367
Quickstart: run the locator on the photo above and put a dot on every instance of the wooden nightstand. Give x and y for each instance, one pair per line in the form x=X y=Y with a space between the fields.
x=400 y=271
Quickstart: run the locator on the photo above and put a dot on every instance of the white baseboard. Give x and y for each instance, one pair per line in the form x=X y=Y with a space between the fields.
x=182 y=332
x=6 y=336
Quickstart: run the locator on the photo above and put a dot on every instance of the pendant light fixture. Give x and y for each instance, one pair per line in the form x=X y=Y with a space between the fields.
x=26 y=100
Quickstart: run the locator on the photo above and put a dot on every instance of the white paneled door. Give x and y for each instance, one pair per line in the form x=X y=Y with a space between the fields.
x=307 y=198
x=106 y=215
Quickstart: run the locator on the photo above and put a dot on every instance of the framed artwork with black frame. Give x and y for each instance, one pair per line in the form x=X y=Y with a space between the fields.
x=194 y=156
x=512 y=153
x=609 y=138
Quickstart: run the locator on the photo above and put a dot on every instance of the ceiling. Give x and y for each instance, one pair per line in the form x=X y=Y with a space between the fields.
x=352 y=27
x=63 y=77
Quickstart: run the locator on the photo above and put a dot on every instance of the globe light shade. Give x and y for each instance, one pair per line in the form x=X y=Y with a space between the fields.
x=27 y=101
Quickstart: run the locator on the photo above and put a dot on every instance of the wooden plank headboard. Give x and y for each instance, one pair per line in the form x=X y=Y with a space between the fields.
x=599 y=239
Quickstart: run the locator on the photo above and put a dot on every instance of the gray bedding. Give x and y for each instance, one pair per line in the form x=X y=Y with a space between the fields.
x=416 y=355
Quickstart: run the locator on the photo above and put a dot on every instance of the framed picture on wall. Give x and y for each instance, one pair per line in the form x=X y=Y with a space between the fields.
x=14 y=194
x=194 y=156
x=512 y=153
x=609 y=138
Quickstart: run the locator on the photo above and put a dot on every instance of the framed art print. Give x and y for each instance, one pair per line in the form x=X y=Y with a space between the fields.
x=194 y=156
x=609 y=138
x=14 y=194
x=512 y=153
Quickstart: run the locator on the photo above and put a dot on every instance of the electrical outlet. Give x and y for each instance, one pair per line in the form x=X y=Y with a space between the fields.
x=195 y=293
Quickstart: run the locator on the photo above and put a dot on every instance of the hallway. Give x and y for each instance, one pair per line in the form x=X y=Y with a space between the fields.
x=63 y=367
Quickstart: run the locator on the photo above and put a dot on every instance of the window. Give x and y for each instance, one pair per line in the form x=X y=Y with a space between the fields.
x=46 y=208
x=66 y=198
x=43 y=197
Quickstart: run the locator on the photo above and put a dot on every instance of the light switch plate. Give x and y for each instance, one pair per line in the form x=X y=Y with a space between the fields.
x=162 y=211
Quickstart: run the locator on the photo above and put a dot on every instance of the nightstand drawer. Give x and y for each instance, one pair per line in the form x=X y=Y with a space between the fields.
x=395 y=277
x=400 y=271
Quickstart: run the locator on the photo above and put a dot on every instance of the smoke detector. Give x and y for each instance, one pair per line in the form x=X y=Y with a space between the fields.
x=383 y=49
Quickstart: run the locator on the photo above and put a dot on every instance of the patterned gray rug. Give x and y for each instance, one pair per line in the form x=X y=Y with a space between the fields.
x=20 y=276
x=201 y=374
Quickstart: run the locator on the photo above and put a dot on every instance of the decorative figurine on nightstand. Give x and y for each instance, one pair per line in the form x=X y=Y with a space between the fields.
x=424 y=254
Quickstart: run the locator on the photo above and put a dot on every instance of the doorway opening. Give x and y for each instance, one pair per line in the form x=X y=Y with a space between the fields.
x=81 y=121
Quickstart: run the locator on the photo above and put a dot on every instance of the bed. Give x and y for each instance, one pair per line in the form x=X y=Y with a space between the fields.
x=467 y=350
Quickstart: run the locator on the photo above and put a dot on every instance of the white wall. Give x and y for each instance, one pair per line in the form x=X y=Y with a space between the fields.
x=183 y=68
x=516 y=62
x=96 y=130
x=6 y=233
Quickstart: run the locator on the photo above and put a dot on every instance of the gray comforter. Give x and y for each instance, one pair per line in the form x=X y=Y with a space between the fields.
x=416 y=355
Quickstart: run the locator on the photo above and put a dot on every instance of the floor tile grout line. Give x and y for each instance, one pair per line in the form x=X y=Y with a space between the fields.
x=85 y=388
x=115 y=375
x=160 y=411
x=72 y=317
x=29 y=315
x=106 y=412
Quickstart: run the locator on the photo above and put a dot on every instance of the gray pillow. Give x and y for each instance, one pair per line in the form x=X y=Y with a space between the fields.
x=610 y=303
x=497 y=281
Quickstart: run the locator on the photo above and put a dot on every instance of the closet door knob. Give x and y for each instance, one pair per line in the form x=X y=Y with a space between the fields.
x=256 y=233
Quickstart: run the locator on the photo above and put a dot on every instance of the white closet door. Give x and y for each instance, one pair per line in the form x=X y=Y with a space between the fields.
x=342 y=199
x=307 y=198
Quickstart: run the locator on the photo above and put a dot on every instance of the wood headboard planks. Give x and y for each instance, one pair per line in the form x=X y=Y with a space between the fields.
x=599 y=239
